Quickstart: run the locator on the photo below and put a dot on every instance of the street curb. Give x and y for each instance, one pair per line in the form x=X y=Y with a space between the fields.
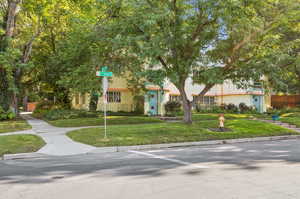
x=190 y=144
x=100 y=150
x=18 y=156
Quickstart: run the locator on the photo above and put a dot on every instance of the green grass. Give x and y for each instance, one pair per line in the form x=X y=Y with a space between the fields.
x=13 y=125
x=11 y=144
x=120 y=120
x=126 y=135
x=111 y=120
x=214 y=116
x=291 y=118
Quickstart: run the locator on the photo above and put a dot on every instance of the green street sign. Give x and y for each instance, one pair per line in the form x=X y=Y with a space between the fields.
x=104 y=69
x=104 y=72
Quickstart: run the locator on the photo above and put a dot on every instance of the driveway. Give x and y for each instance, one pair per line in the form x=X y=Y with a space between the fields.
x=261 y=170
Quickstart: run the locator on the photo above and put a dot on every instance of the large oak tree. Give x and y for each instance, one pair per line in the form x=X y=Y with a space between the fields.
x=206 y=40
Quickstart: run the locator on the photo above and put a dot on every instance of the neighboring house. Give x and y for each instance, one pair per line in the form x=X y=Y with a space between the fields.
x=224 y=94
x=121 y=98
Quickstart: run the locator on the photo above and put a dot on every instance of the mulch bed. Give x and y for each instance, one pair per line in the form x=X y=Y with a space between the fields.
x=220 y=130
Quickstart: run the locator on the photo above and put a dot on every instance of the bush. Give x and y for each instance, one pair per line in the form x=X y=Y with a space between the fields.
x=123 y=113
x=243 y=107
x=209 y=109
x=289 y=110
x=274 y=111
x=6 y=115
x=227 y=108
x=172 y=108
x=231 y=108
x=45 y=105
x=58 y=114
x=251 y=110
x=42 y=108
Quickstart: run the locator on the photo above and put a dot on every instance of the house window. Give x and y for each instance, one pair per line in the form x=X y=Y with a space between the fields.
x=114 y=97
x=206 y=100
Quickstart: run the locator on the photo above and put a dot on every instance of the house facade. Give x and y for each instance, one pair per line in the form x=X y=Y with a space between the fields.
x=121 y=98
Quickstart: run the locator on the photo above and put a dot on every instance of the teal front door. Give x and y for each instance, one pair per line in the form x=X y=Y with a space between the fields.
x=153 y=100
x=258 y=102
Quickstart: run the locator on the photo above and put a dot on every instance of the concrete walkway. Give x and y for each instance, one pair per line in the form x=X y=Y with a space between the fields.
x=283 y=124
x=57 y=143
x=25 y=132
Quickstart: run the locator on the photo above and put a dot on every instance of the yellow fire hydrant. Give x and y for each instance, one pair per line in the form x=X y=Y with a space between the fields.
x=221 y=122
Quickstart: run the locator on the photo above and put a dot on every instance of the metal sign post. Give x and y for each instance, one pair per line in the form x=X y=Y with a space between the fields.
x=103 y=73
x=105 y=88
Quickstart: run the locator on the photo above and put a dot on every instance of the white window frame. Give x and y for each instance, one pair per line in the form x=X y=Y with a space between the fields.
x=114 y=97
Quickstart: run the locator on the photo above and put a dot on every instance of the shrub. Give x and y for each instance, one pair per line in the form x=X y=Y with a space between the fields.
x=42 y=108
x=209 y=109
x=232 y=108
x=223 y=106
x=6 y=115
x=45 y=105
x=123 y=113
x=251 y=110
x=289 y=110
x=244 y=108
x=58 y=114
x=172 y=107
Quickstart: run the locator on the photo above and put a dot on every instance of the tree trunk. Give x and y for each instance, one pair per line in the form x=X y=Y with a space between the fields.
x=15 y=93
x=186 y=103
x=25 y=102
x=11 y=16
x=4 y=91
x=9 y=25
x=187 y=108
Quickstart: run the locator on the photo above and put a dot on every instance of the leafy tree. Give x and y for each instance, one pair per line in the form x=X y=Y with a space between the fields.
x=284 y=55
x=20 y=28
x=206 y=40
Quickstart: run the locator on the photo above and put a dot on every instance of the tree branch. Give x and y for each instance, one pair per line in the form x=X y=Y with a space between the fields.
x=202 y=93
x=28 y=45
x=11 y=15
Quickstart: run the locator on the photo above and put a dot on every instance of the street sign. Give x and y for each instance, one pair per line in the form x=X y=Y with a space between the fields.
x=105 y=88
x=104 y=73
x=105 y=84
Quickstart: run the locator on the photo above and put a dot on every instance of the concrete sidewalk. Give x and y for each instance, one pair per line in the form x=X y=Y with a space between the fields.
x=57 y=143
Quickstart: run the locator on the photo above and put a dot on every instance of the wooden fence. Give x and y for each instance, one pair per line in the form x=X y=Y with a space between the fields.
x=280 y=101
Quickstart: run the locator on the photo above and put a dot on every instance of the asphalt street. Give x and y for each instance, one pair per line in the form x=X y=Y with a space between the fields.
x=260 y=170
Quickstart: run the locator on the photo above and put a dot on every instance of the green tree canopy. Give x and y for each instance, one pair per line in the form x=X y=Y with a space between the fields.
x=207 y=40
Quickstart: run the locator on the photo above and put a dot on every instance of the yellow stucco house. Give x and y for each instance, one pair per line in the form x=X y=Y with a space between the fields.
x=121 y=98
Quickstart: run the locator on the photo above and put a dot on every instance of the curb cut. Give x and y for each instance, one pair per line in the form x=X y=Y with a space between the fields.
x=191 y=144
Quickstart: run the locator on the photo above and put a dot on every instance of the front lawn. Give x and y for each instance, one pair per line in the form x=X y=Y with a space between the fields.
x=120 y=120
x=291 y=118
x=13 y=125
x=111 y=120
x=11 y=144
x=126 y=135
x=214 y=116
